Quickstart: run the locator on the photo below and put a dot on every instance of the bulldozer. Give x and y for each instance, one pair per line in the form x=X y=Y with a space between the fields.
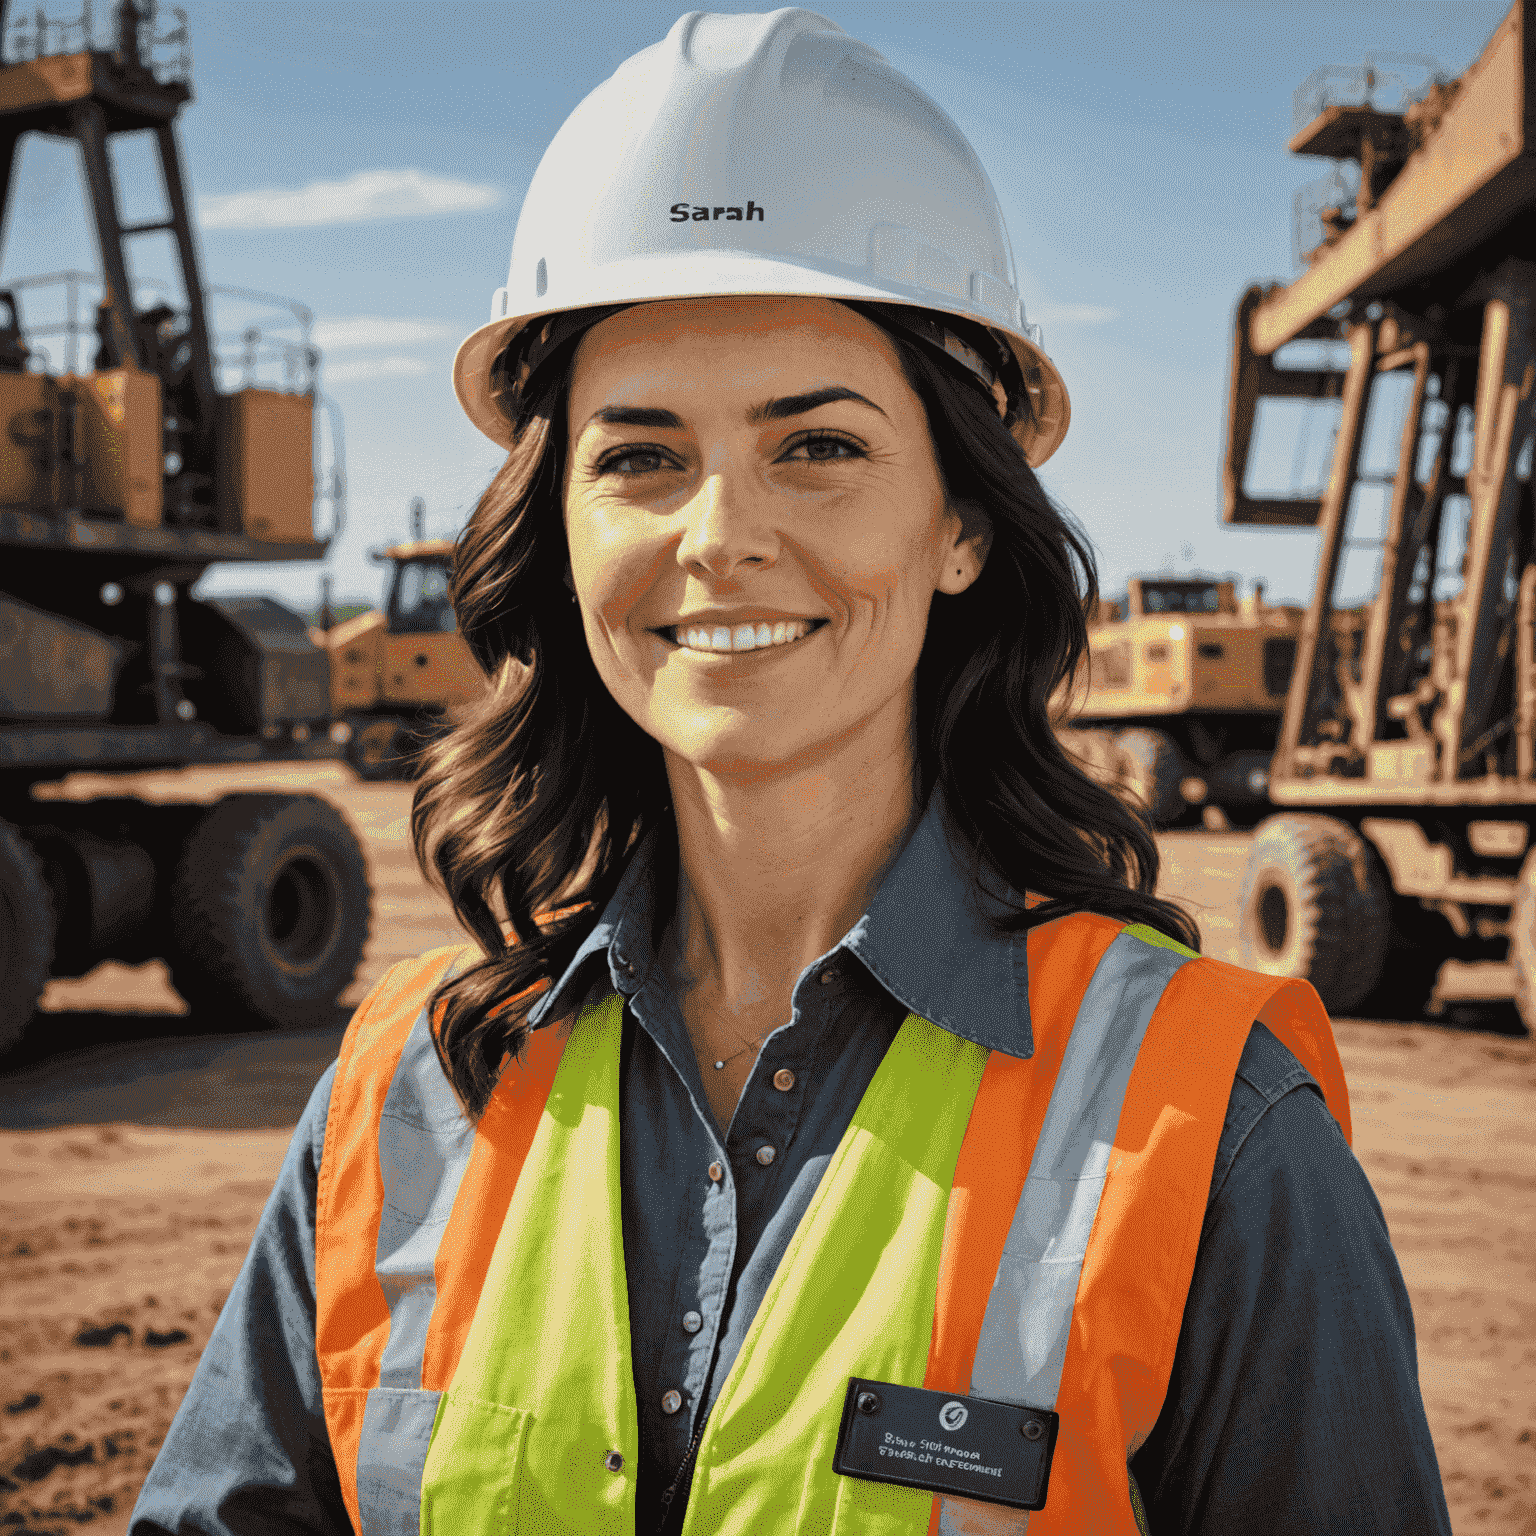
x=1398 y=870
x=1180 y=705
x=124 y=476
x=397 y=671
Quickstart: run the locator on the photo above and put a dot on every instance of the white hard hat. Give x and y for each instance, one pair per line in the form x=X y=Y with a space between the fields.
x=764 y=154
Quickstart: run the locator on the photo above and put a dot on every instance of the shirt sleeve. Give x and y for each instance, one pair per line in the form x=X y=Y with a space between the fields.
x=1294 y=1401
x=247 y=1453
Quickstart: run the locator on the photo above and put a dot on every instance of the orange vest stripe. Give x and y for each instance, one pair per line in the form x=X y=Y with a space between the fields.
x=351 y=1313
x=1127 y=1316
x=502 y=1139
x=1000 y=1138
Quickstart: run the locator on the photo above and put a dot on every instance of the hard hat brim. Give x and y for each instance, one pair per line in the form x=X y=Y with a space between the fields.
x=723 y=274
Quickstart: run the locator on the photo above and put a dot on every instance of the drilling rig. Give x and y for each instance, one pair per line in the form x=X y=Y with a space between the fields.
x=122 y=479
x=1400 y=870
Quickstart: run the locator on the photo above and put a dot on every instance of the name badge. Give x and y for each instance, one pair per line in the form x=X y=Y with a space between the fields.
x=943 y=1443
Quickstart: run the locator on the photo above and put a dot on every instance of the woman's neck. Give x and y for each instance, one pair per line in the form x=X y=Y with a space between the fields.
x=774 y=870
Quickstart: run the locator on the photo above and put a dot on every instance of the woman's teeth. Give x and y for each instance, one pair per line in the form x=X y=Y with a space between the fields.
x=744 y=637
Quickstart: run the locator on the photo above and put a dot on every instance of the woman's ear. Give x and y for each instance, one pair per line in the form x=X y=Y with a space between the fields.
x=965 y=558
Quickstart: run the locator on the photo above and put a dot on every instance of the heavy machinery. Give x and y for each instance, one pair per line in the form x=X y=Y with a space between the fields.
x=121 y=482
x=1183 y=693
x=1402 y=858
x=397 y=671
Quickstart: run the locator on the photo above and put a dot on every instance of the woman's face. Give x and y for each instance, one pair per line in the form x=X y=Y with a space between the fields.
x=743 y=472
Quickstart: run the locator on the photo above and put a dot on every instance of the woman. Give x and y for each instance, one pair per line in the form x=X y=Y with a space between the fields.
x=831 y=1131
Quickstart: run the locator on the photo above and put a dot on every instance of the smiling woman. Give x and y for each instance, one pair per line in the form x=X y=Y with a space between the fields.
x=827 y=1075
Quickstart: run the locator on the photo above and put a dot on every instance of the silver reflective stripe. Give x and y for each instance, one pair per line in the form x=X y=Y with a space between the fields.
x=424 y=1147
x=1024 y=1333
x=397 y=1429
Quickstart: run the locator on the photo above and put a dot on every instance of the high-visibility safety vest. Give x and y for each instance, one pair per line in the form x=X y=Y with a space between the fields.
x=1020 y=1230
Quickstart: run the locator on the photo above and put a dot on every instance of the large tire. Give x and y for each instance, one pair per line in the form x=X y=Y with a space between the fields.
x=1152 y=768
x=1522 y=941
x=1314 y=905
x=27 y=927
x=270 y=909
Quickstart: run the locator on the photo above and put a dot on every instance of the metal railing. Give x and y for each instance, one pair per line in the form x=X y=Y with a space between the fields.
x=168 y=54
x=264 y=340
x=1365 y=85
x=264 y=344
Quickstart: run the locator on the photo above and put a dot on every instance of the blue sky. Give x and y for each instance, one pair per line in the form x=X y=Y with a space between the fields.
x=370 y=161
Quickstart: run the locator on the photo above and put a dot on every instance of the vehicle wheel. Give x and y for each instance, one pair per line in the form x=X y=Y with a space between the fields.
x=374 y=751
x=1152 y=768
x=1314 y=905
x=270 y=910
x=1522 y=941
x=26 y=934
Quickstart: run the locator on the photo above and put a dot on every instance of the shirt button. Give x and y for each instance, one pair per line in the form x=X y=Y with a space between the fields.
x=716 y=1172
x=828 y=977
x=671 y=1400
x=765 y=1155
x=783 y=1079
x=692 y=1322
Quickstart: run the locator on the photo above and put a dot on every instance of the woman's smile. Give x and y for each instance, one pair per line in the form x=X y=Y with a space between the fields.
x=709 y=641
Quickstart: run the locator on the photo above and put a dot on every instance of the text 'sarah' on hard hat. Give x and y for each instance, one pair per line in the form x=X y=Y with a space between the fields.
x=762 y=154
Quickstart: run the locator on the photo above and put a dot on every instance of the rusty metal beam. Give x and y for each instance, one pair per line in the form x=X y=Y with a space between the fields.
x=1506 y=374
x=1334 y=515
x=1398 y=555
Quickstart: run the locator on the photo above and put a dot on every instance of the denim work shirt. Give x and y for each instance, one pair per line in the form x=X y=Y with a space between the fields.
x=1294 y=1401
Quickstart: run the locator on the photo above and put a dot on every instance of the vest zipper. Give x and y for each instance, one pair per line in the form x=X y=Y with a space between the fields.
x=679 y=1483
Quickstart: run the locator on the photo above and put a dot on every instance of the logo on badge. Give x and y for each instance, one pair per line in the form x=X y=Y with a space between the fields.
x=952 y=1416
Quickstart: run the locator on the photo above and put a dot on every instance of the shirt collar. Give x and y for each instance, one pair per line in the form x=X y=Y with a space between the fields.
x=924 y=938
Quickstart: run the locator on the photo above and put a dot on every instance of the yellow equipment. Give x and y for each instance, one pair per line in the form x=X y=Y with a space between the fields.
x=395 y=673
x=1182 y=699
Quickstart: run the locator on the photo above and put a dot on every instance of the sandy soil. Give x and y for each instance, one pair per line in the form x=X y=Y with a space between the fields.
x=137 y=1149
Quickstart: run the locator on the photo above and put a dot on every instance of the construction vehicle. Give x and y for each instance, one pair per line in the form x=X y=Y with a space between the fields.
x=122 y=479
x=1184 y=686
x=1400 y=867
x=396 y=672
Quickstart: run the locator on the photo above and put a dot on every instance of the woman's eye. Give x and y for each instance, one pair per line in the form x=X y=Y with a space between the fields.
x=823 y=450
x=633 y=461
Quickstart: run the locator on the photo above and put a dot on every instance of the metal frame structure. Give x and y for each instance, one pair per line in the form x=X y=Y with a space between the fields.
x=1413 y=716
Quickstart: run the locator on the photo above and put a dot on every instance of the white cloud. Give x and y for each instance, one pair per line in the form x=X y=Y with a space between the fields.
x=1072 y=314
x=374 y=368
x=377 y=331
x=359 y=198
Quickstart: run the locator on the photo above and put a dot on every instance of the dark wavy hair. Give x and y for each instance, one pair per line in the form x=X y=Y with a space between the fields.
x=537 y=797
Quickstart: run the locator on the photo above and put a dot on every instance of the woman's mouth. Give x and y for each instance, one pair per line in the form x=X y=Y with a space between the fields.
x=716 y=638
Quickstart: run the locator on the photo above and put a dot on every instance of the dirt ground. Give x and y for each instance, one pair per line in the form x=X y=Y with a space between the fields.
x=137 y=1148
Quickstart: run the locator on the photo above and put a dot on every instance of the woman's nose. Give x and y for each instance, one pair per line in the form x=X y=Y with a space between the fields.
x=725 y=526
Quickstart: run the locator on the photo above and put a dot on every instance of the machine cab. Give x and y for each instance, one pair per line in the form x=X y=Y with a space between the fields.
x=425 y=661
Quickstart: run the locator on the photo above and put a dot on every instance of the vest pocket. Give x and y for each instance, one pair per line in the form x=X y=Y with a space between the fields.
x=471 y=1485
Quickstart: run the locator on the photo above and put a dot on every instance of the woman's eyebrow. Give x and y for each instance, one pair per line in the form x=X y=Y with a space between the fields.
x=797 y=405
x=770 y=410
